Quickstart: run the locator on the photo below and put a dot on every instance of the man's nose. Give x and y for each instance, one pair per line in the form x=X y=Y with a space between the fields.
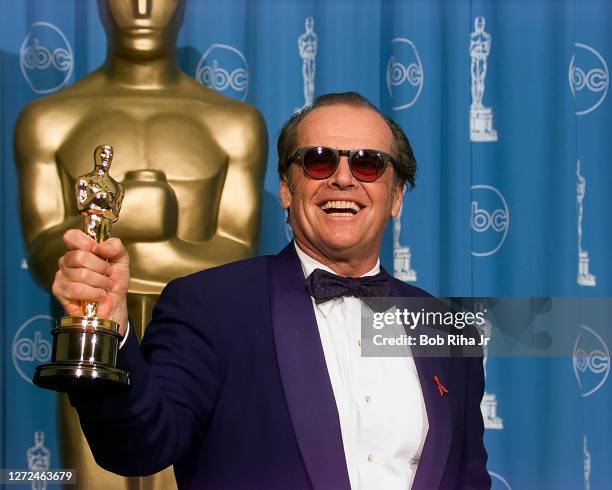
x=343 y=178
x=142 y=9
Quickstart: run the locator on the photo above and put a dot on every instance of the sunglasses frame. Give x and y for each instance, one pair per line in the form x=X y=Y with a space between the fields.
x=300 y=152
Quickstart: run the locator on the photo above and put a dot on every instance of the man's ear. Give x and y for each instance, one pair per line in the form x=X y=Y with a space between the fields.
x=284 y=192
x=398 y=197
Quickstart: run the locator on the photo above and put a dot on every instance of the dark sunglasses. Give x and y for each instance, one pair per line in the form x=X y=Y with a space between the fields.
x=321 y=162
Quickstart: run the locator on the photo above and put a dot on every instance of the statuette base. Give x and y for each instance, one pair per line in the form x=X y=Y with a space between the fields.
x=481 y=124
x=84 y=355
x=401 y=265
x=67 y=376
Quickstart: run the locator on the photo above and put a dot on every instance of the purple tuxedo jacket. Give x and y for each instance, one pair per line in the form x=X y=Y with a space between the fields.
x=230 y=386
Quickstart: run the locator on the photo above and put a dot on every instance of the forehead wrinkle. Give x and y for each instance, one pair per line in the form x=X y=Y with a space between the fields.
x=341 y=131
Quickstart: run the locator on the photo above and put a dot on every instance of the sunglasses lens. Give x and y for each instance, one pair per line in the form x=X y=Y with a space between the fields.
x=320 y=163
x=367 y=165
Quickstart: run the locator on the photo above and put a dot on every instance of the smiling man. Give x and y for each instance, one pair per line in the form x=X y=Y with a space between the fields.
x=250 y=375
x=339 y=211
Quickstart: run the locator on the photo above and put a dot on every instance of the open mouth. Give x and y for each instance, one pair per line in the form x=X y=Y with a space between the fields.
x=341 y=208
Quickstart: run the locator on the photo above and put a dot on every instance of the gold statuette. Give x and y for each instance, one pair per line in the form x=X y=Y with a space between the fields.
x=85 y=347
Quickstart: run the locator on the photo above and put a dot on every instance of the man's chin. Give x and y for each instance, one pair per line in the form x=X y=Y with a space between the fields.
x=342 y=233
x=341 y=243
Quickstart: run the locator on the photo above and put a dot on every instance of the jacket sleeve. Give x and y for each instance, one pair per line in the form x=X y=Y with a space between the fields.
x=473 y=467
x=175 y=379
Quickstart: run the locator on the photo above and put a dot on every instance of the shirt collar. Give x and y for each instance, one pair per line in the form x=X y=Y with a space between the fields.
x=309 y=264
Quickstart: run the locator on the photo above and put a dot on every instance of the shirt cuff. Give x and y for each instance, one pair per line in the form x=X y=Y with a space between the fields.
x=127 y=332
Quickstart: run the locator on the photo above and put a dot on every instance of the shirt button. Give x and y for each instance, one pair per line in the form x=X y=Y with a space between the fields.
x=368 y=398
x=359 y=343
x=370 y=458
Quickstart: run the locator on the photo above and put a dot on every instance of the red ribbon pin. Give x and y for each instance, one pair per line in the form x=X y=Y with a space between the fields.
x=441 y=388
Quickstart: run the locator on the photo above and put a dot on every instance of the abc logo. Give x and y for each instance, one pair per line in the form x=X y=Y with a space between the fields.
x=32 y=345
x=224 y=69
x=45 y=58
x=591 y=360
x=588 y=78
x=404 y=74
x=489 y=219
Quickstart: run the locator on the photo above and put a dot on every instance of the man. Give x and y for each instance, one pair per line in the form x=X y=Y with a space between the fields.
x=249 y=375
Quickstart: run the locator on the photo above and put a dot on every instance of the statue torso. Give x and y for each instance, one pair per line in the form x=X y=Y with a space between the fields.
x=190 y=161
x=166 y=133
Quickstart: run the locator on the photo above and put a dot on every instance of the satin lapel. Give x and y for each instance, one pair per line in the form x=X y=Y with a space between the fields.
x=304 y=375
x=437 y=442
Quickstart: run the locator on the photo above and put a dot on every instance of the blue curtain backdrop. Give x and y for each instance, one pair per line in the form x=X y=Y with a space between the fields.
x=498 y=207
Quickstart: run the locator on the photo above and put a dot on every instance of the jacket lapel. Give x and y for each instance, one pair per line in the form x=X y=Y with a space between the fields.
x=437 y=442
x=304 y=375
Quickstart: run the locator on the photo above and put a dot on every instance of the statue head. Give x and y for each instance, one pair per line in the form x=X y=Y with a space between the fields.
x=141 y=29
x=103 y=155
x=39 y=438
x=309 y=23
x=479 y=24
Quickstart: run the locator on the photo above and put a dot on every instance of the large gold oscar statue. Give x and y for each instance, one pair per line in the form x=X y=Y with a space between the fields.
x=192 y=163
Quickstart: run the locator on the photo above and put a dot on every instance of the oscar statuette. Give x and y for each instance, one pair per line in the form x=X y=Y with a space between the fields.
x=85 y=347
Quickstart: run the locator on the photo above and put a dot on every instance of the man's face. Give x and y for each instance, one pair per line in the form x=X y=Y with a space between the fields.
x=340 y=235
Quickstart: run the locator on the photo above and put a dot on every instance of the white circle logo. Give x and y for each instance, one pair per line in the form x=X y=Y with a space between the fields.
x=224 y=69
x=46 y=58
x=405 y=74
x=32 y=345
x=489 y=219
x=591 y=361
x=588 y=78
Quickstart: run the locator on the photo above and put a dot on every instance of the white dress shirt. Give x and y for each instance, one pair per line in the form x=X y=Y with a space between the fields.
x=380 y=404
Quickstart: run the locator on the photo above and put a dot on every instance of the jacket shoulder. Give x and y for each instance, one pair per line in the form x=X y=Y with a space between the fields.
x=401 y=289
x=223 y=279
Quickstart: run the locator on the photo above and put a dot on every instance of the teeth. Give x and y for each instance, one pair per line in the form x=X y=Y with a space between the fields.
x=341 y=205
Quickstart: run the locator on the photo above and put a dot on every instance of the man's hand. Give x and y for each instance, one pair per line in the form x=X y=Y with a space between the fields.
x=93 y=272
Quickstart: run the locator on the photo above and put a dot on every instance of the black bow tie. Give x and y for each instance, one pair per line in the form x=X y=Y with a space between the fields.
x=323 y=286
